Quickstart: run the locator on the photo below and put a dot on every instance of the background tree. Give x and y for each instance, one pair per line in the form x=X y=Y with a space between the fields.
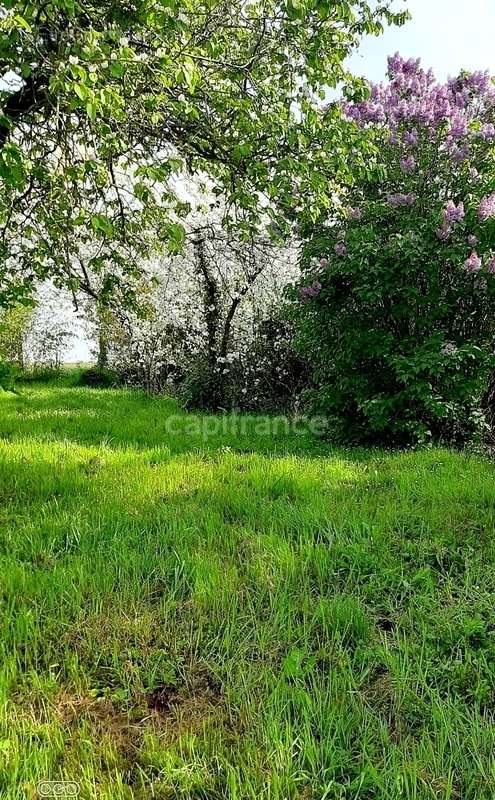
x=105 y=102
x=52 y=327
x=14 y=324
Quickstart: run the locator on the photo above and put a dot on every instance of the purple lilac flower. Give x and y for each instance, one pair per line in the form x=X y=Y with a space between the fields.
x=460 y=154
x=354 y=213
x=487 y=207
x=458 y=126
x=308 y=292
x=449 y=349
x=488 y=132
x=398 y=65
x=453 y=213
x=410 y=138
x=397 y=200
x=472 y=240
x=394 y=200
x=412 y=96
x=408 y=164
x=444 y=232
x=490 y=266
x=323 y=262
x=473 y=263
x=478 y=80
x=340 y=249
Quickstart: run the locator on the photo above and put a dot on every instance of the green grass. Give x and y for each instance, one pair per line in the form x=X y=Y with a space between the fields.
x=242 y=616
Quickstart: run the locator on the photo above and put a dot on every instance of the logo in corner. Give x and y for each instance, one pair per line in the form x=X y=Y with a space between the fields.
x=58 y=789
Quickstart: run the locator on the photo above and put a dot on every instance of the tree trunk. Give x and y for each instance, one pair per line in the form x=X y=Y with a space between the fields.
x=212 y=320
x=102 y=361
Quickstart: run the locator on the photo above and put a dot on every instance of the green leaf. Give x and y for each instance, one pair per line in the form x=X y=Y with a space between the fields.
x=81 y=91
x=176 y=236
x=101 y=223
x=91 y=110
x=191 y=74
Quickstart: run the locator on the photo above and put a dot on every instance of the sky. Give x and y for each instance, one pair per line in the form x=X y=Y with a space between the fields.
x=448 y=35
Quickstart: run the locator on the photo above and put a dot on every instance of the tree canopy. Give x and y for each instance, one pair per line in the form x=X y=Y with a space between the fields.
x=106 y=103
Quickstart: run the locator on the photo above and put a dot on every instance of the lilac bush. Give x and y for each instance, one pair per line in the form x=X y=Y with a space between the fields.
x=401 y=330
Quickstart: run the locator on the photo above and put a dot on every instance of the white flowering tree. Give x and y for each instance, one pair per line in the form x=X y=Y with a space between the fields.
x=199 y=311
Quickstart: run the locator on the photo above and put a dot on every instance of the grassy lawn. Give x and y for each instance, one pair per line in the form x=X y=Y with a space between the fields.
x=251 y=616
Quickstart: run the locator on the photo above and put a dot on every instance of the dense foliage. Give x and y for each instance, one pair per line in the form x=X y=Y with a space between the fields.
x=104 y=104
x=263 y=373
x=8 y=376
x=269 y=374
x=98 y=377
x=397 y=303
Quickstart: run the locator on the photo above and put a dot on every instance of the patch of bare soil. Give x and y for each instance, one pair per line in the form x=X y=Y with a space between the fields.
x=187 y=707
x=167 y=711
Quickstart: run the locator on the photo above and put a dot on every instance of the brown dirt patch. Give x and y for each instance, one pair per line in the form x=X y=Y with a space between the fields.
x=187 y=707
x=167 y=711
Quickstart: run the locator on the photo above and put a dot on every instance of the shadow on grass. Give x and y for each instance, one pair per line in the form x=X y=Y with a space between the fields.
x=128 y=418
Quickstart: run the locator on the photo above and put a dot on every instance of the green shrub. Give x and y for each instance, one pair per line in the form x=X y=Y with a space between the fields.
x=8 y=376
x=268 y=375
x=396 y=313
x=99 y=377
x=203 y=387
x=40 y=374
